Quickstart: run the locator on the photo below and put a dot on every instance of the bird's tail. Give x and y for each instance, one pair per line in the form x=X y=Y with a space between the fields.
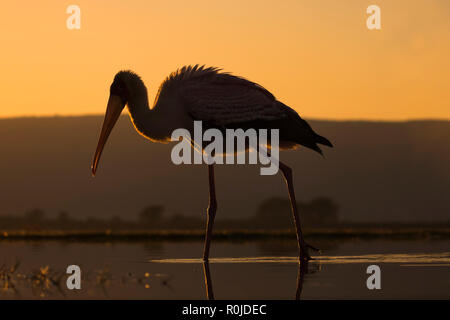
x=322 y=140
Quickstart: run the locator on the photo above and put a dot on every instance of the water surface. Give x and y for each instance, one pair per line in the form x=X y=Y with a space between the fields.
x=237 y=270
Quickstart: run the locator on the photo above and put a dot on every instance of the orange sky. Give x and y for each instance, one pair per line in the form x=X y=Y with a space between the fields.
x=316 y=56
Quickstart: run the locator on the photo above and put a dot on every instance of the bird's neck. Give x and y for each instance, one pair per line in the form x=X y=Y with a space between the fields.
x=145 y=120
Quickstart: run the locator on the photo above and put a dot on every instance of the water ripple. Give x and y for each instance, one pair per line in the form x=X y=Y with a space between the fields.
x=440 y=258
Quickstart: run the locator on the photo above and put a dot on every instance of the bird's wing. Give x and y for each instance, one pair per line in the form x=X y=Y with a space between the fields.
x=225 y=99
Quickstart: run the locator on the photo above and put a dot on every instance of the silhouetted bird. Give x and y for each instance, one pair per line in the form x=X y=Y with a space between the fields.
x=220 y=100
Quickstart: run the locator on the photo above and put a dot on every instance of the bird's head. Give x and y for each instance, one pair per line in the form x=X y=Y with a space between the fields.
x=119 y=95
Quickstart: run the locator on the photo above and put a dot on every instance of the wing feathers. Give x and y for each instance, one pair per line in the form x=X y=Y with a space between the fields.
x=221 y=98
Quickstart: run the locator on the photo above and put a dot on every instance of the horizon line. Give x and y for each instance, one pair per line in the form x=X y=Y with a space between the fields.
x=307 y=118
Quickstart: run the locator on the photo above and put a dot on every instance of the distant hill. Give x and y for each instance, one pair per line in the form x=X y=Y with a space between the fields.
x=378 y=171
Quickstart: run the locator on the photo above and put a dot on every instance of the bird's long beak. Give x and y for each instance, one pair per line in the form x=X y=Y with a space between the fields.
x=113 y=111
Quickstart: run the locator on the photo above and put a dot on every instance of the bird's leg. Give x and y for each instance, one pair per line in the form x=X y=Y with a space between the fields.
x=211 y=212
x=302 y=245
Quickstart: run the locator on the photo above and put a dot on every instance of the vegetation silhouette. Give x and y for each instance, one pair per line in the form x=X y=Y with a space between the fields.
x=271 y=219
x=151 y=215
x=319 y=211
x=273 y=213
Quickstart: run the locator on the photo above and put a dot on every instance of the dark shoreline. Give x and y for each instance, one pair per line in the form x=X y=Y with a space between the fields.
x=407 y=233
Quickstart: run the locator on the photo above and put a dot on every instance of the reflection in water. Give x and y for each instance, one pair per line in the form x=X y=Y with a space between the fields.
x=208 y=281
x=304 y=266
x=122 y=270
x=302 y=271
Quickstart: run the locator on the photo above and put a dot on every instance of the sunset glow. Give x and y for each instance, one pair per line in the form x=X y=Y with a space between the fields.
x=316 y=56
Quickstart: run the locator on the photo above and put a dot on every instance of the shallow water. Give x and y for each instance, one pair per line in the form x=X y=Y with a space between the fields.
x=237 y=270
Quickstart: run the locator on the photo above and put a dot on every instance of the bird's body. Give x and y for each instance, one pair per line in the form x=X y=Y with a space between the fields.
x=220 y=100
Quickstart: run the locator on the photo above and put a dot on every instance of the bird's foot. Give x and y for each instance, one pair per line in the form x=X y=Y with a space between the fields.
x=312 y=248
x=304 y=257
x=304 y=252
